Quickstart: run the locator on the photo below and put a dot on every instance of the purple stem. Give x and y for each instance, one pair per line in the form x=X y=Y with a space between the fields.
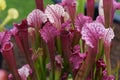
x=76 y=38
x=66 y=48
x=66 y=44
x=90 y=8
x=108 y=7
x=40 y=4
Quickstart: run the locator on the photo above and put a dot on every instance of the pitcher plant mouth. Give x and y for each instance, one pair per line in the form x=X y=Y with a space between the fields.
x=59 y=42
x=7 y=46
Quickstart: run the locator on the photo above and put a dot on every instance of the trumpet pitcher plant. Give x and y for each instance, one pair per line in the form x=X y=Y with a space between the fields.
x=59 y=42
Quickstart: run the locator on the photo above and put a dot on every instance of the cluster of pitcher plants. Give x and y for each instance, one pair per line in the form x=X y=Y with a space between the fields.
x=59 y=42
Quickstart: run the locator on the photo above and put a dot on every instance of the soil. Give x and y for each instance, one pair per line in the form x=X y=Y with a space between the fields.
x=115 y=51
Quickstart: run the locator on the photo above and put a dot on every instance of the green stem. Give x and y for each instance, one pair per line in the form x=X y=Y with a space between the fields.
x=37 y=70
x=45 y=54
x=52 y=72
x=38 y=40
x=59 y=45
x=117 y=71
x=39 y=67
x=107 y=57
x=81 y=43
x=94 y=72
x=57 y=74
x=108 y=66
x=28 y=78
x=43 y=71
x=101 y=48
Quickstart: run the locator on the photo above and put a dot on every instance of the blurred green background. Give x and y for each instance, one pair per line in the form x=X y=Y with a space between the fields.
x=24 y=7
